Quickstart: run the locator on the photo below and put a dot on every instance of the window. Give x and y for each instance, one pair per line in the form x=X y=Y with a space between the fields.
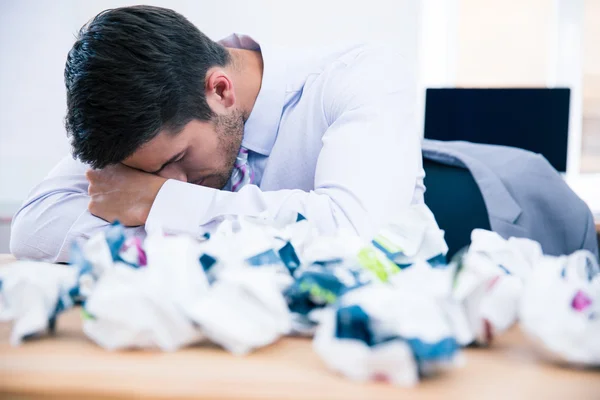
x=503 y=43
x=590 y=135
x=512 y=43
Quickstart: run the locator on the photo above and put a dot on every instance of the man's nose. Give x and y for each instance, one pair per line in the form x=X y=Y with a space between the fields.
x=173 y=172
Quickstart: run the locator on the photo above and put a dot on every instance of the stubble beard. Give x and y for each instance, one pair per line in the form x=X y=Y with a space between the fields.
x=230 y=130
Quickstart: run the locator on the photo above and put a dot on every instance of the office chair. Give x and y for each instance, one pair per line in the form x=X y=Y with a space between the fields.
x=455 y=200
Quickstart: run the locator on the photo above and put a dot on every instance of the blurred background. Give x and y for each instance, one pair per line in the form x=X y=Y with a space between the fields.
x=448 y=44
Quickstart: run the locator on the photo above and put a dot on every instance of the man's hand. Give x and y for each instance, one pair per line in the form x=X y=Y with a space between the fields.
x=122 y=193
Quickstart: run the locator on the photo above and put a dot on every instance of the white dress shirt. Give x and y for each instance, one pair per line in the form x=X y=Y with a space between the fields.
x=331 y=136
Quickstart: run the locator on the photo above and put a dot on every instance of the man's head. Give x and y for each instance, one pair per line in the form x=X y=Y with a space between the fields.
x=147 y=89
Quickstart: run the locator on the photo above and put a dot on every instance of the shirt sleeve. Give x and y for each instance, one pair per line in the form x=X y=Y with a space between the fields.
x=370 y=163
x=56 y=214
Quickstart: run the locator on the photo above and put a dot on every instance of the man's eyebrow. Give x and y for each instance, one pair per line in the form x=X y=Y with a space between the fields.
x=172 y=159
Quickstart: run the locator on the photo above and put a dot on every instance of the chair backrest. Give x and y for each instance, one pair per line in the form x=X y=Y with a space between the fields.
x=455 y=200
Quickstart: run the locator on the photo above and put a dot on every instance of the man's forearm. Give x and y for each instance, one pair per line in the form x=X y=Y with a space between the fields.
x=44 y=229
x=184 y=208
x=55 y=214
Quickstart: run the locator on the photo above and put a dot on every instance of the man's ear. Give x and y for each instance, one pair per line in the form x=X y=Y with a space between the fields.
x=219 y=91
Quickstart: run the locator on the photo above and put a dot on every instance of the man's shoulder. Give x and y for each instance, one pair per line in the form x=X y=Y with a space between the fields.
x=325 y=59
x=346 y=73
x=359 y=54
x=369 y=70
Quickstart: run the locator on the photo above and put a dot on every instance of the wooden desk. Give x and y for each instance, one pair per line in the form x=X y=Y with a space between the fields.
x=69 y=366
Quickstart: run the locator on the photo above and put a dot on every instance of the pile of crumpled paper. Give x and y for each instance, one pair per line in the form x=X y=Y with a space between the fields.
x=392 y=309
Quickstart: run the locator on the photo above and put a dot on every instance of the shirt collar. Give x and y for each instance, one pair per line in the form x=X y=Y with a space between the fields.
x=260 y=130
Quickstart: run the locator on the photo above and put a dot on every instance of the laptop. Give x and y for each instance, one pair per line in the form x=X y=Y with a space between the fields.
x=535 y=119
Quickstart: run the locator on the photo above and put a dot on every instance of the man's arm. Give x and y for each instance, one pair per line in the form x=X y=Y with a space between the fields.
x=55 y=214
x=370 y=163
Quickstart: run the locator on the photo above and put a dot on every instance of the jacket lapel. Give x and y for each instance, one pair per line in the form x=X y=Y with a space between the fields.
x=501 y=206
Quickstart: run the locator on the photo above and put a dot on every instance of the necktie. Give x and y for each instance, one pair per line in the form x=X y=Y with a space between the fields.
x=242 y=174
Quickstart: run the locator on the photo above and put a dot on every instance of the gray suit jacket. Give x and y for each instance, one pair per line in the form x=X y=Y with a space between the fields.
x=524 y=195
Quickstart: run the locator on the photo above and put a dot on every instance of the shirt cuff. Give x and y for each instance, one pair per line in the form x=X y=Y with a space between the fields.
x=179 y=208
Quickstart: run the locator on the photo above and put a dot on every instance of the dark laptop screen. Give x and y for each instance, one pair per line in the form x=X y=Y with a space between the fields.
x=532 y=119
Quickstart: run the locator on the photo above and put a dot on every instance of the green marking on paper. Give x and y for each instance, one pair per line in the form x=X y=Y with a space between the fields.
x=86 y=316
x=318 y=292
x=376 y=262
x=387 y=244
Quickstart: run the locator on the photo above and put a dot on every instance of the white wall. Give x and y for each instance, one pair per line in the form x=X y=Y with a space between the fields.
x=35 y=37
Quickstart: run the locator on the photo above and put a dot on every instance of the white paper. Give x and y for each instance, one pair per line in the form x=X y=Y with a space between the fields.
x=547 y=313
x=30 y=293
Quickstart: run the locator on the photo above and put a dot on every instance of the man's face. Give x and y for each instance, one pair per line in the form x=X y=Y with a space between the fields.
x=203 y=153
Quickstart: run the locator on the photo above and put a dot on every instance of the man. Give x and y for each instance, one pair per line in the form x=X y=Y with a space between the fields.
x=173 y=130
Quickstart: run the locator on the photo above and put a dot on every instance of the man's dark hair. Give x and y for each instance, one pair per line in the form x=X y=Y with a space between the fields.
x=133 y=72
